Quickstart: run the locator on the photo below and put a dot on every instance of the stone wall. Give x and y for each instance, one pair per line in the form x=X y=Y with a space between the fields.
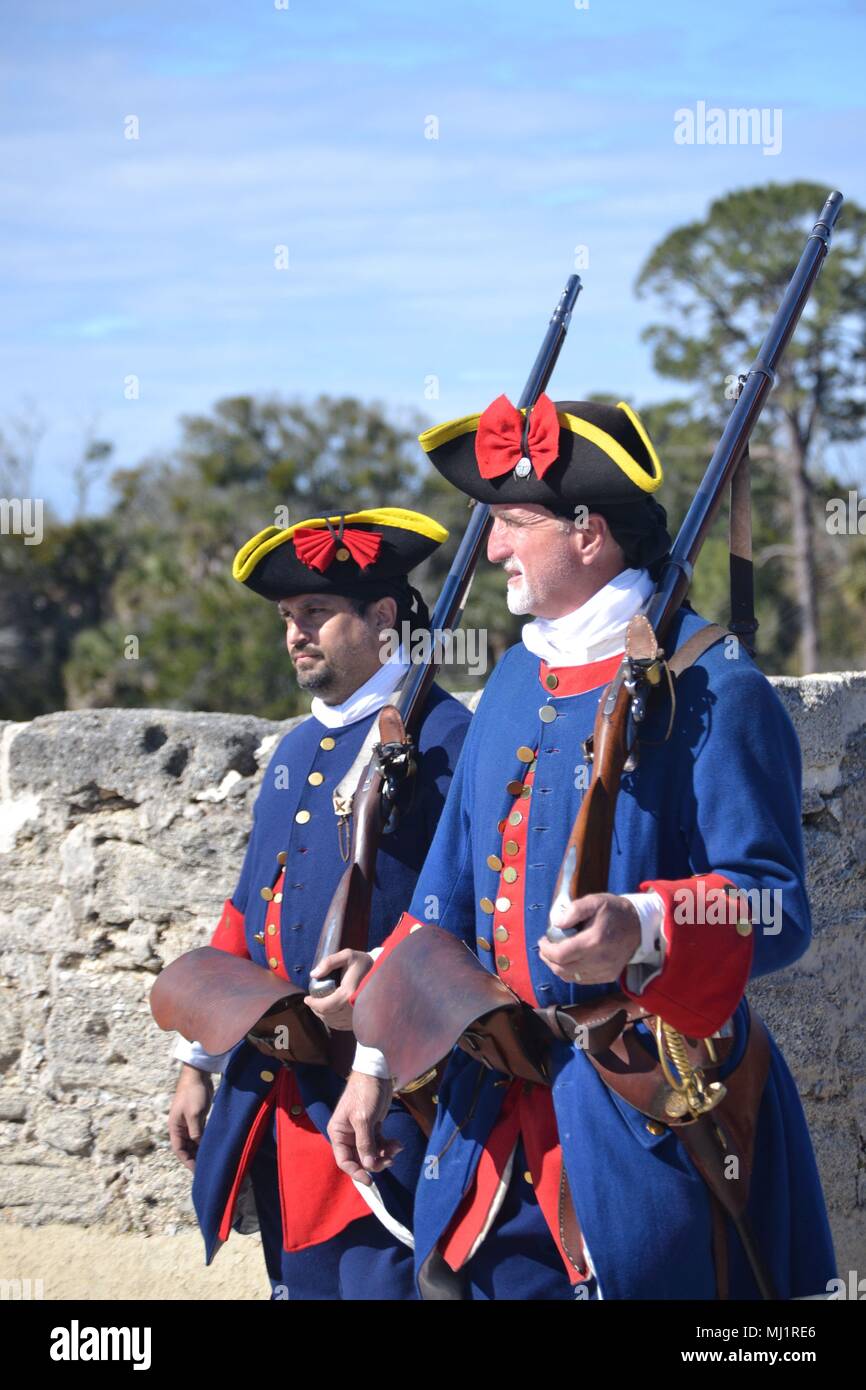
x=121 y=832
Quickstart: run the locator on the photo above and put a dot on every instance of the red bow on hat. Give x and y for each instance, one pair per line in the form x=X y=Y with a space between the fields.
x=316 y=548
x=499 y=438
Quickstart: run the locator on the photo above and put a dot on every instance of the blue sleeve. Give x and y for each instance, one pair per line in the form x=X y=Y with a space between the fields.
x=741 y=808
x=444 y=891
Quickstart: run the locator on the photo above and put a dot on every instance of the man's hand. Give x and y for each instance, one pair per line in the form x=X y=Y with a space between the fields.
x=609 y=937
x=192 y=1097
x=336 y=1010
x=355 y=1130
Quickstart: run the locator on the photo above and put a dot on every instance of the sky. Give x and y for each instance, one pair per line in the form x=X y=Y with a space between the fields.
x=142 y=279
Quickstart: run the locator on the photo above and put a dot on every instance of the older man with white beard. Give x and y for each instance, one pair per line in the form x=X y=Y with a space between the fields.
x=560 y=1191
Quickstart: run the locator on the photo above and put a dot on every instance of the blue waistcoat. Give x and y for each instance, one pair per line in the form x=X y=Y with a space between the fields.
x=314 y=866
x=721 y=795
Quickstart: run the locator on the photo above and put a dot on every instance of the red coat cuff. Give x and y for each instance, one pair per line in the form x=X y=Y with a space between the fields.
x=230 y=934
x=708 y=954
x=406 y=924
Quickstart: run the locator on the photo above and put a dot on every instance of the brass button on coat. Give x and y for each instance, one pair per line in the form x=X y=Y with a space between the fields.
x=525 y=792
x=501 y=933
x=511 y=847
x=266 y=1076
x=494 y=862
x=527 y=1177
x=503 y=963
x=503 y=904
x=302 y=817
x=485 y=945
x=655 y=1127
x=273 y=962
x=259 y=937
x=486 y=905
x=297 y=1109
x=267 y=894
x=547 y=714
x=282 y=857
x=551 y=681
x=272 y=929
x=514 y=788
x=525 y=754
x=510 y=874
x=316 y=779
x=342 y=553
x=327 y=743
x=278 y=897
x=515 y=818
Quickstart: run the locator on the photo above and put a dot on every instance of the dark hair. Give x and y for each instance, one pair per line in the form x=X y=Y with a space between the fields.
x=411 y=607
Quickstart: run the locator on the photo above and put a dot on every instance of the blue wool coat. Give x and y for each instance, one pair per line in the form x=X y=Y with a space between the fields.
x=722 y=795
x=314 y=867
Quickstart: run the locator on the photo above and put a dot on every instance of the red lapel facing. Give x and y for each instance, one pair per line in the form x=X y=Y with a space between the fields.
x=561 y=681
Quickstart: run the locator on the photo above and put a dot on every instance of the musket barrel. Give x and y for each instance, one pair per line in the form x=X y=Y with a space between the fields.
x=446 y=615
x=676 y=576
x=452 y=598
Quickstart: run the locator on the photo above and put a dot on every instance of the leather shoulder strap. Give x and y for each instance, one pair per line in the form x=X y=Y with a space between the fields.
x=695 y=646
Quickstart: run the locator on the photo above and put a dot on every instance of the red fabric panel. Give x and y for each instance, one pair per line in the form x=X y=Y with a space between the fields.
x=273 y=936
x=574 y=680
x=402 y=930
x=471 y=1215
x=317 y=1200
x=544 y=1156
x=527 y=1111
x=516 y=975
x=229 y=933
x=707 y=960
x=253 y=1140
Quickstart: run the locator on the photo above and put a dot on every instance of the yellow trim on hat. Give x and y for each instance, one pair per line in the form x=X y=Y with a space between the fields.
x=614 y=450
x=452 y=429
x=645 y=439
x=438 y=435
x=257 y=547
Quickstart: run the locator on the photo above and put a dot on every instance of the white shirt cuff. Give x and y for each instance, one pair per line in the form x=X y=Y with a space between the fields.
x=369 y=1060
x=195 y=1056
x=648 y=960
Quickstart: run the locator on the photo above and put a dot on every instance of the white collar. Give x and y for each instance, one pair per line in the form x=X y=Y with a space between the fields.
x=368 y=698
x=595 y=630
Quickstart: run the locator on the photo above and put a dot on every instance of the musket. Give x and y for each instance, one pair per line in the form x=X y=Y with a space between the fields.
x=586 y=862
x=391 y=765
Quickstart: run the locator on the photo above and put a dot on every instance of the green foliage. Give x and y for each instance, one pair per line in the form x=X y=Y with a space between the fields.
x=49 y=594
x=138 y=607
x=719 y=281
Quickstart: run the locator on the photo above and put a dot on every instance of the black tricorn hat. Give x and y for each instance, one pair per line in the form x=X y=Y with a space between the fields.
x=575 y=452
x=356 y=554
x=569 y=454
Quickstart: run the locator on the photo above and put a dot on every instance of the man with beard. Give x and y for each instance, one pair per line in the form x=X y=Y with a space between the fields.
x=340 y=584
x=551 y=1192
